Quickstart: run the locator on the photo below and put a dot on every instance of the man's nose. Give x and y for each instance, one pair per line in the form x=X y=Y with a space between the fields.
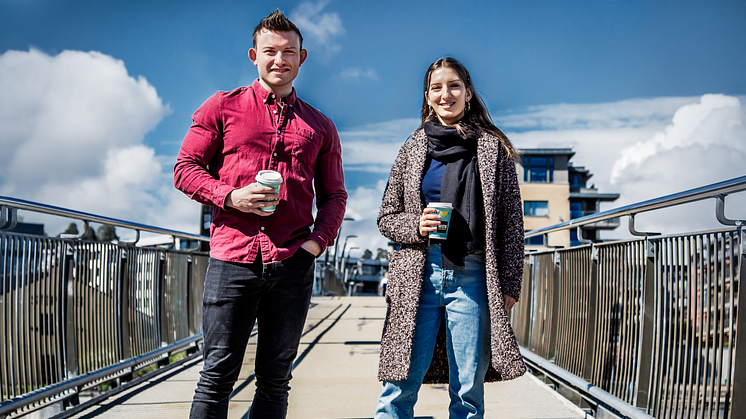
x=279 y=58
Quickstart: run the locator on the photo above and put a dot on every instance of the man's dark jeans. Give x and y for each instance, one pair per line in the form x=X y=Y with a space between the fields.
x=277 y=296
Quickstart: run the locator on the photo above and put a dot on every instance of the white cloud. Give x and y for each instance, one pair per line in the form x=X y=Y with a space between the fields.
x=647 y=148
x=715 y=120
x=320 y=29
x=73 y=135
x=633 y=113
x=373 y=147
x=363 y=205
x=357 y=73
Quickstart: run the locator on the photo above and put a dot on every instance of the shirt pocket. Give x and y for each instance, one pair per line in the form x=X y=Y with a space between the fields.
x=306 y=146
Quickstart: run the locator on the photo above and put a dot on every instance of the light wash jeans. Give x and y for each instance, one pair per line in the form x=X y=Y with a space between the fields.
x=462 y=297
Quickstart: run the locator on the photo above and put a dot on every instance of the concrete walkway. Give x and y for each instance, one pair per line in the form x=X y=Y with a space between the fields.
x=334 y=377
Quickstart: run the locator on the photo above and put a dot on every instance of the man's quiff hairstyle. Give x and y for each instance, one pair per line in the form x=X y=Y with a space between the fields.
x=277 y=22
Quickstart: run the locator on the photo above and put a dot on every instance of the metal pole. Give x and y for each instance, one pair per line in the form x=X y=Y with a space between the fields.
x=647 y=340
x=739 y=370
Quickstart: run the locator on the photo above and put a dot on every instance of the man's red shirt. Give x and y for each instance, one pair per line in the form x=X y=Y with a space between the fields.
x=236 y=134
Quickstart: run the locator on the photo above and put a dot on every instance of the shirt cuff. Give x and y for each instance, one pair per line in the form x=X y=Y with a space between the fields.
x=220 y=193
x=320 y=240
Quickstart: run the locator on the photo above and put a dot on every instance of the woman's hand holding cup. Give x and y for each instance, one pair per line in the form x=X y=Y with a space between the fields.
x=429 y=221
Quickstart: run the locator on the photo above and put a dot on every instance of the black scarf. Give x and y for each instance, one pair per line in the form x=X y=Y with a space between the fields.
x=462 y=188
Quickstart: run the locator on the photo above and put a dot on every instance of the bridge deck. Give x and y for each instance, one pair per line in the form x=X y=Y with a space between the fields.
x=334 y=377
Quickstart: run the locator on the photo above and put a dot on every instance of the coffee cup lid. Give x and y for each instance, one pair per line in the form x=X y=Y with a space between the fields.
x=439 y=204
x=269 y=176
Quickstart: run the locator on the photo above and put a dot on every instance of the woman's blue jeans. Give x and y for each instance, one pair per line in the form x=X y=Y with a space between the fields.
x=277 y=296
x=462 y=297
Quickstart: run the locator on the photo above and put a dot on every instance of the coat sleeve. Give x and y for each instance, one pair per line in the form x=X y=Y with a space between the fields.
x=511 y=236
x=398 y=221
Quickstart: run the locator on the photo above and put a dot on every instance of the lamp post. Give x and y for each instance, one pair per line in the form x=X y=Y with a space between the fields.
x=336 y=242
x=338 y=261
x=347 y=261
x=350 y=288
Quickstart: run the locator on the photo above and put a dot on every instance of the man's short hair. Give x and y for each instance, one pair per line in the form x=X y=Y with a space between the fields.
x=277 y=22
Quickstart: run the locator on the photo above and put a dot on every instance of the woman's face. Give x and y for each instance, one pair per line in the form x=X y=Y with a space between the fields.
x=447 y=94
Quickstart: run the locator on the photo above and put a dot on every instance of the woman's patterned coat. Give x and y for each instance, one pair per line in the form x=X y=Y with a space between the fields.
x=398 y=220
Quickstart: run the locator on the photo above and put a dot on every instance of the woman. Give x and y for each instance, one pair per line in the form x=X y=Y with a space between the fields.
x=448 y=300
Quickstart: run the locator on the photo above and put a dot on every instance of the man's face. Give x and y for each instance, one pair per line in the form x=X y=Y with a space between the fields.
x=278 y=57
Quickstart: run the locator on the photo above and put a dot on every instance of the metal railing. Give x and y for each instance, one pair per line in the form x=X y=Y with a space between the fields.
x=651 y=322
x=76 y=314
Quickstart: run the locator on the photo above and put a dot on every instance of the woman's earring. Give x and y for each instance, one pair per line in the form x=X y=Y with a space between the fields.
x=468 y=106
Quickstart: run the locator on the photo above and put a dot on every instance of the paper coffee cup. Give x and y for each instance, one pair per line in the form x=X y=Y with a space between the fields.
x=271 y=179
x=444 y=210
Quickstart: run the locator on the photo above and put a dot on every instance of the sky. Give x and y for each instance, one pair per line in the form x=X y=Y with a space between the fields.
x=96 y=96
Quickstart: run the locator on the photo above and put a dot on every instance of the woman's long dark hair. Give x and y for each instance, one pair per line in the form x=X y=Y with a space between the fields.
x=476 y=117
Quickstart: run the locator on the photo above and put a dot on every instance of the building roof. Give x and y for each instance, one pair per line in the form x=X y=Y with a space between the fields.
x=546 y=151
x=595 y=195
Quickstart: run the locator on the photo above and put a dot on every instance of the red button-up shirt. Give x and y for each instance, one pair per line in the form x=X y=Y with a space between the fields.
x=236 y=134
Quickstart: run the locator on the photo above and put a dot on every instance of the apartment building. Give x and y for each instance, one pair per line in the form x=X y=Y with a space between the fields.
x=553 y=190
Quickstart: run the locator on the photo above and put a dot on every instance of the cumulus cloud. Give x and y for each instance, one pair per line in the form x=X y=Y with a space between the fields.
x=74 y=126
x=320 y=29
x=363 y=204
x=357 y=73
x=373 y=147
x=647 y=148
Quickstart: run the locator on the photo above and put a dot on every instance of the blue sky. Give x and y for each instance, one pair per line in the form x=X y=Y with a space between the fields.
x=605 y=77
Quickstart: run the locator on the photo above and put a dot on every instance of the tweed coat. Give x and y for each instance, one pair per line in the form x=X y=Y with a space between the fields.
x=398 y=220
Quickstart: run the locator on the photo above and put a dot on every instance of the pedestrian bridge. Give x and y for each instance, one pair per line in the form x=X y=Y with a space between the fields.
x=627 y=329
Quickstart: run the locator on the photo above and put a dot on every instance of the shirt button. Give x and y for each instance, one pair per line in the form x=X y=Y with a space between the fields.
x=274 y=111
x=279 y=131
x=272 y=95
x=261 y=228
x=274 y=154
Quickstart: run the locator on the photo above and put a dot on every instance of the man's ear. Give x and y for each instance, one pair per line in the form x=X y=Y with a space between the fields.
x=252 y=55
x=303 y=56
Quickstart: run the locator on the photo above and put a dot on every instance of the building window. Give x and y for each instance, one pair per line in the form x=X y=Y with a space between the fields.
x=535 y=241
x=574 y=238
x=536 y=208
x=538 y=169
x=576 y=210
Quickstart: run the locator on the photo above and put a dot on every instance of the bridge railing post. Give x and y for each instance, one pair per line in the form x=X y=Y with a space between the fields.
x=590 y=342
x=69 y=350
x=647 y=338
x=123 y=308
x=738 y=397
x=162 y=316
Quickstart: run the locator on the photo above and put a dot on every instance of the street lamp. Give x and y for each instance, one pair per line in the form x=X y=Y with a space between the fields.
x=338 y=261
x=344 y=269
x=347 y=260
x=336 y=242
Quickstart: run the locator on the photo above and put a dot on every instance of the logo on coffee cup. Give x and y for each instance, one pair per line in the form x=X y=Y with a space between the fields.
x=444 y=209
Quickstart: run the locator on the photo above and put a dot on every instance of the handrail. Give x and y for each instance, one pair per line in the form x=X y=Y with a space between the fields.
x=584 y=388
x=10 y=406
x=712 y=191
x=84 y=216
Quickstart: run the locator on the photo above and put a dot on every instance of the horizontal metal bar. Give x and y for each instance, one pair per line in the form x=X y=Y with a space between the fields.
x=10 y=406
x=686 y=197
x=84 y=216
x=583 y=387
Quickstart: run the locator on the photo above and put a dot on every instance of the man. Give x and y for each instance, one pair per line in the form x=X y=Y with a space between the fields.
x=261 y=262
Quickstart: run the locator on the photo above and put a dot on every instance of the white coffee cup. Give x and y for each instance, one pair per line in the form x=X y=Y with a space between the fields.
x=271 y=179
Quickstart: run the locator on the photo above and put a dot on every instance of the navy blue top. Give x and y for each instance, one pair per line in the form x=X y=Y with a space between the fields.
x=432 y=180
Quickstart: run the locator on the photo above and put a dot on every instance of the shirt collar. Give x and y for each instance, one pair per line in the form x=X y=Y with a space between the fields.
x=269 y=97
